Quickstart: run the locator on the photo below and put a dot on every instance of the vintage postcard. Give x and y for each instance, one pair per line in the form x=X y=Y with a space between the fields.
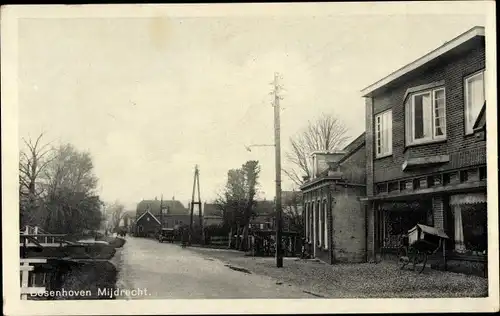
x=249 y=158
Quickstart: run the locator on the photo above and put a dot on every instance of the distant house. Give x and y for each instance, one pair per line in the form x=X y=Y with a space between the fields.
x=146 y=223
x=264 y=218
x=175 y=214
x=151 y=215
x=212 y=215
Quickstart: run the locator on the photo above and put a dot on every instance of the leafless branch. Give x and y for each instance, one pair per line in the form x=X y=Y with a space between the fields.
x=326 y=133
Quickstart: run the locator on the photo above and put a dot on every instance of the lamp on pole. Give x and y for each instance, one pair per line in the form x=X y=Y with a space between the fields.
x=249 y=147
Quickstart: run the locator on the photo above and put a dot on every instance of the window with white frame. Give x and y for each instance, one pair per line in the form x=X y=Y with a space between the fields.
x=474 y=99
x=383 y=133
x=426 y=116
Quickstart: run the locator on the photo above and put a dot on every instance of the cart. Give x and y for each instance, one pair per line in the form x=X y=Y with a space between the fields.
x=166 y=234
x=421 y=242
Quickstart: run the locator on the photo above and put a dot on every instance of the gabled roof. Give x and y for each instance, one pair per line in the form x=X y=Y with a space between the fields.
x=353 y=147
x=458 y=41
x=148 y=212
x=210 y=209
x=173 y=207
x=355 y=144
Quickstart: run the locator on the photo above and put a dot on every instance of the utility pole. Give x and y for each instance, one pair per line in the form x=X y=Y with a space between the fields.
x=161 y=212
x=200 y=216
x=196 y=181
x=276 y=105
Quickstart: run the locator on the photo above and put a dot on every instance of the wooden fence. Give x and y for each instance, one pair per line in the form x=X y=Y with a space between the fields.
x=29 y=285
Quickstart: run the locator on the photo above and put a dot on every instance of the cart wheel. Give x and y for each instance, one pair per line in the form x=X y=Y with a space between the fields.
x=423 y=256
x=415 y=256
x=403 y=258
x=419 y=257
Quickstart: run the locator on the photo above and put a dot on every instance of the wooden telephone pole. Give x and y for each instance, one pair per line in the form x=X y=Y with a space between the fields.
x=161 y=213
x=196 y=187
x=279 y=225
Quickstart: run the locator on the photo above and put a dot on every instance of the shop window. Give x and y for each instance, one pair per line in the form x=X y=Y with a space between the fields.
x=382 y=188
x=470 y=231
x=397 y=224
x=393 y=186
x=416 y=184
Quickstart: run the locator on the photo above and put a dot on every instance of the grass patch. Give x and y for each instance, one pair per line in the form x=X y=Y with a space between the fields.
x=89 y=278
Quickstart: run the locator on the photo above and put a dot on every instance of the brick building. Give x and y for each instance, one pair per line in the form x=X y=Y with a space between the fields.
x=334 y=216
x=212 y=215
x=426 y=150
x=151 y=215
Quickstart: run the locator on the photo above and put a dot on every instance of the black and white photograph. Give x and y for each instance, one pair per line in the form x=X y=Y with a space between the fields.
x=249 y=158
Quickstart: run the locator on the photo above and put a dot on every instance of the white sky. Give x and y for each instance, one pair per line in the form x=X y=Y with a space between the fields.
x=152 y=97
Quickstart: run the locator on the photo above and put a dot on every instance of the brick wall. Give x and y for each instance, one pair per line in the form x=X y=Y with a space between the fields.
x=348 y=225
x=353 y=168
x=438 y=211
x=464 y=150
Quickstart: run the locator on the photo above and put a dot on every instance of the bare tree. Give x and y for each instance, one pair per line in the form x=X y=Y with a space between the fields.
x=326 y=133
x=32 y=163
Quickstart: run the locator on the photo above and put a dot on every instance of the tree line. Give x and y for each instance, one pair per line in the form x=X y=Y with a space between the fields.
x=58 y=188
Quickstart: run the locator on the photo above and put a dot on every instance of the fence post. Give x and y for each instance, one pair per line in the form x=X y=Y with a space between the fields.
x=23 y=253
x=24 y=279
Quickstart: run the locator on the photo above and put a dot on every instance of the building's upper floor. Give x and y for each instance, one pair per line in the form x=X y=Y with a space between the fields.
x=161 y=207
x=421 y=119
